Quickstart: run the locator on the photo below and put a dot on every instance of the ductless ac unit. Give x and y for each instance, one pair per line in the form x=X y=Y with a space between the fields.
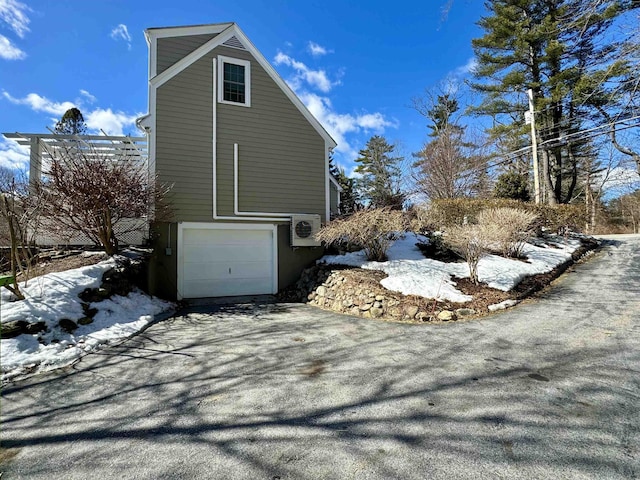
x=303 y=230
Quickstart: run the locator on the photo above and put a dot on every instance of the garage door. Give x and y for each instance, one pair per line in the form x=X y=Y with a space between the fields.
x=226 y=261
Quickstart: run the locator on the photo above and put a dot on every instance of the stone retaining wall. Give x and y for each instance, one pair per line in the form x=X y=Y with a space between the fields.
x=358 y=292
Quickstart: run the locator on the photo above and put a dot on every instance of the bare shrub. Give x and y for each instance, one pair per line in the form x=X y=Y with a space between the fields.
x=96 y=195
x=372 y=229
x=447 y=212
x=472 y=242
x=422 y=220
x=20 y=211
x=510 y=227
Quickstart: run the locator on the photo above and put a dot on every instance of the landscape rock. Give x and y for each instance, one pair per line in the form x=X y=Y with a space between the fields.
x=411 y=311
x=353 y=292
x=36 y=327
x=67 y=325
x=85 y=321
x=503 y=305
x=465 y=312
x=446 y=315
x=13 y=329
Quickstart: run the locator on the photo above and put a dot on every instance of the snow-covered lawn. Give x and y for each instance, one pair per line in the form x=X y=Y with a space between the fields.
x=54 y=296
x=410 y=273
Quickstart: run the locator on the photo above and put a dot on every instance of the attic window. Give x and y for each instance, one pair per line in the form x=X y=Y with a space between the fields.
x=234 y=81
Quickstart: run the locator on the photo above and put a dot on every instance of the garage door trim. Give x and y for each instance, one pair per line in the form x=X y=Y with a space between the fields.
x=226 y=226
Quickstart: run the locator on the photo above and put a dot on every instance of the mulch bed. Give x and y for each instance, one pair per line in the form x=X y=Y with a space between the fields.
x=483 y=295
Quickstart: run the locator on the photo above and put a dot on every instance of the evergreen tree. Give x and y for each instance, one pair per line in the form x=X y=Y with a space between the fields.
x=379 y=184
x=560 y=50
x=348 y=196
x=449 y=165
x=71 y=123
x=512 y=185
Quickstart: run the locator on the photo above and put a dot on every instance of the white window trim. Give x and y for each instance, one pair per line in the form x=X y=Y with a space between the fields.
x=247 y=80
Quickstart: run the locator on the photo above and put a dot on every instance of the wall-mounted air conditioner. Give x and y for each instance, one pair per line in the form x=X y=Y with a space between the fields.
x=303 y=230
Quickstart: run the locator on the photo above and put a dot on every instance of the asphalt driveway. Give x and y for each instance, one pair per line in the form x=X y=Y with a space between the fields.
x=550 y=389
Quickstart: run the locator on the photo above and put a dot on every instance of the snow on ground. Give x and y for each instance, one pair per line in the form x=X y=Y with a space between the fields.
x=410 y=273
x=54 y=296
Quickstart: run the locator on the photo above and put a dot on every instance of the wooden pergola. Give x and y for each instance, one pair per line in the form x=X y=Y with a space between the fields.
x=43 y=146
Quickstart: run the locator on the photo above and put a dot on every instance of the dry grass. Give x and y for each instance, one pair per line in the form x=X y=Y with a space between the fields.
x=371 y=229
x=511 y=228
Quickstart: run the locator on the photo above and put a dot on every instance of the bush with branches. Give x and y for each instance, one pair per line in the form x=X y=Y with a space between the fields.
x=20 y=211
x=512 y=227
x=98 y=195
x=472 y=242
x=448 y=212
x=371 y=229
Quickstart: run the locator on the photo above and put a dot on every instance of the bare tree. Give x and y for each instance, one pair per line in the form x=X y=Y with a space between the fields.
x=20 y=211
x=451 y=164
x=101 y=196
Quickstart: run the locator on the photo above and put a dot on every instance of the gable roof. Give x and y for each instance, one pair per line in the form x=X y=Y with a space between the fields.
x=225 y=32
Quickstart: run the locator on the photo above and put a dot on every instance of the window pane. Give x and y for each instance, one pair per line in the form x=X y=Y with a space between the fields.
x=234 y=83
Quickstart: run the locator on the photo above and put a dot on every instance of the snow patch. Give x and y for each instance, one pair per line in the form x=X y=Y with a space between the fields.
x=410 y=273
x=54 y=296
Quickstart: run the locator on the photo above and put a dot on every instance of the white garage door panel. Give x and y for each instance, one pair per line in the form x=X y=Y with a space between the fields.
x=203 y=236
x=220 y=262
x=216 y=253
x=229 y=270
x=226 y=288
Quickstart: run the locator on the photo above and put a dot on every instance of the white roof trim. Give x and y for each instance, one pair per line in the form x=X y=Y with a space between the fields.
x=194 y=56
x=335 y=182
x=224 y=35
x=183 y=31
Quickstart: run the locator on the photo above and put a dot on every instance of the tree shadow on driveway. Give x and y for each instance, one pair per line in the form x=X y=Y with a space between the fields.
x=288 y=391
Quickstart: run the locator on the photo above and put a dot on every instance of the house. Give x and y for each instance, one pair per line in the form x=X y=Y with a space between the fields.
x=247 y=160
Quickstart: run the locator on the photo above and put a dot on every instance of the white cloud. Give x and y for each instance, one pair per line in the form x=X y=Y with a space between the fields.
x=339 y=125
x=40 y=104
x=315 y=78
x=86 y=95
x=9 y=51
x=317 y=50
x=12 y=155
x=97 y=120
x=112 y=123
x=621 y=177
x=467 y=68
x=121 y=32
x=13 y=13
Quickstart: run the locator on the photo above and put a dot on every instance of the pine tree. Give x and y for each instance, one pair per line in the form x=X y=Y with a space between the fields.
x=348 y=196
x=512 y=185
x=559 y=49
x=449 y=165
x=379 y=184
x=71 y=123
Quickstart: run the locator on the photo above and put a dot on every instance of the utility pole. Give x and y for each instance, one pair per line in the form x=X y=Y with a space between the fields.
x=534 y=147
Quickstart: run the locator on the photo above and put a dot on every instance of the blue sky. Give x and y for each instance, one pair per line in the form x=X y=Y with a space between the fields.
x=355 y=64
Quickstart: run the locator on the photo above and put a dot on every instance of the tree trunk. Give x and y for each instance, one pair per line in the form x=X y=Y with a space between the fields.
x=546 y=175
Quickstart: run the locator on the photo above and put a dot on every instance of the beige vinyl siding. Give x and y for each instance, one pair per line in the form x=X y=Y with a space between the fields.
x=172 y=49
x=291 y=261
x=163 y=268
x=281 y=156
x=184 y=151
